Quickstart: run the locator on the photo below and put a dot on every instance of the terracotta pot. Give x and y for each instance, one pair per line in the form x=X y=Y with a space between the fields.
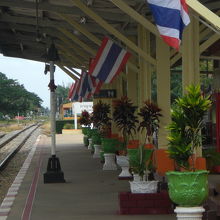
x=133 y=144
x=149 y=146
x=114 y=136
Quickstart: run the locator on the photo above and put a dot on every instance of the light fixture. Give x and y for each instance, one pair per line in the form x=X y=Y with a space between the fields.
x=89 y=2
x=82 y=20
x=47 y=68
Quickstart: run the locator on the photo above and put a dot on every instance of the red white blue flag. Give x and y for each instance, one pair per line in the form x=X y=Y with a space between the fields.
x=75 y=95
x=109 y=61
x=70 y=94
x=171 y=16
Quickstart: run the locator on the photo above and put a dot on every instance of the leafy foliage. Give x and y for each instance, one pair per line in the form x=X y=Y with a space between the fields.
x=15 y=98
x=124 y=117
x=212 y=158
x=150 y=114
x=100 y=116
x=68 y=126
x=85 y=119
x=139 y=160
x=187 y=122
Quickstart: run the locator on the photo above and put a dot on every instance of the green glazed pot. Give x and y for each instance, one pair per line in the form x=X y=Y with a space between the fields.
x=188 y=189
x=109 y=145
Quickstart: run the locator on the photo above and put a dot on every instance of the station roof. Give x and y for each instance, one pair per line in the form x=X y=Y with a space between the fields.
x=27 y=27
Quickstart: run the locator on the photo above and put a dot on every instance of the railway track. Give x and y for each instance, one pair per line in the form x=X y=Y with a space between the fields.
x=11 y=143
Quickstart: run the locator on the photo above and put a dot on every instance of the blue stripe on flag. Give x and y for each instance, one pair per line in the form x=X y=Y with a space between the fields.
x=109 y=62
x=167 y=17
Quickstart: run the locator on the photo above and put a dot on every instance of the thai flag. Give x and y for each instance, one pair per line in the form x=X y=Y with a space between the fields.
x=75 y=96
x=70 y=93
x=171 y=16
x=109 y=61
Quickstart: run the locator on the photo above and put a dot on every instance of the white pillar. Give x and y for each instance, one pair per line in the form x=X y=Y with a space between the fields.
x=52 y=111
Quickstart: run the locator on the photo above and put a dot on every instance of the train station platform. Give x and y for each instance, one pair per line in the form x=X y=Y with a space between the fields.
x=89 y=192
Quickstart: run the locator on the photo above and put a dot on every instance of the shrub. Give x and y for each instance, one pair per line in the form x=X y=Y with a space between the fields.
x=60 y=124
x=68 y=126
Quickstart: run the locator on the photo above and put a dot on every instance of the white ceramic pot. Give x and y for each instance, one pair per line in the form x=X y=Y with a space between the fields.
x=97 y=151
x=123 y=162
x=109 y=162
x=143 y=186
x=90 y=144
x=189 y=213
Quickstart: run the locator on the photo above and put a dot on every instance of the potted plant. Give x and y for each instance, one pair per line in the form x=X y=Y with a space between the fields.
x=125 y=119
x=149 y=114
x=85 y=121
x=188 y=189
x=140 y=162
x=109 y=146
x=100 y=117
x=102 y=121
x=96 y=141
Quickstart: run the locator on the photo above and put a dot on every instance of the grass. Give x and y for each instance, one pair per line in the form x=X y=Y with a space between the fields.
x=46 y=128
x=11 y=127
x=7 y=126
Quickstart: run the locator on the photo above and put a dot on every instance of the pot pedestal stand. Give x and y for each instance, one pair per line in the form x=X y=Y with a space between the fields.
x=123 y=162
x=97 y=151
x=189 y=213
x=90 y=144
x=109 y=162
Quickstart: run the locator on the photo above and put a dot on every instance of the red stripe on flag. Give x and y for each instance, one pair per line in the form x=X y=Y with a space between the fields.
x=124 y=61
x=184 y=5
x=71 y=91
x=98 y=87
x=98 y=55
x=173 y=42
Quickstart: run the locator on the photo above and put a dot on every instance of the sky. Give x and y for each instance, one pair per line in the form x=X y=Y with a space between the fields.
x=31 y=75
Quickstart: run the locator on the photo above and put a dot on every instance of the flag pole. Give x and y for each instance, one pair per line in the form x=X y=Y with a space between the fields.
x=54 y=173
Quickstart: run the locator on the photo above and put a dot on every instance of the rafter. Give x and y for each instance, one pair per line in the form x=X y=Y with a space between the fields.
x=46 y=6
x=91 y=37
x=205 y=12
x=209 y=42
x=67 y=72
x=113 y=31
x=136 y=16
x=76 y=40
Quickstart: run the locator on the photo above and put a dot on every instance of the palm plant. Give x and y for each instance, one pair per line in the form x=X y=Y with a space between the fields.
x=150 y=114
x=124 y=117
x=186 y=125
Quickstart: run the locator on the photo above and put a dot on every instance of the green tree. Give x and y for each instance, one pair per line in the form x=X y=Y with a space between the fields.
x=62 y=94
x=15 y=98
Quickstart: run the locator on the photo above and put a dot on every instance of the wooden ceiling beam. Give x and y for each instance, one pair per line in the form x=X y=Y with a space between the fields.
x=46 y=6
x=136 y=16
x=91 y=37
x=67 y=72
x=113 y=31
